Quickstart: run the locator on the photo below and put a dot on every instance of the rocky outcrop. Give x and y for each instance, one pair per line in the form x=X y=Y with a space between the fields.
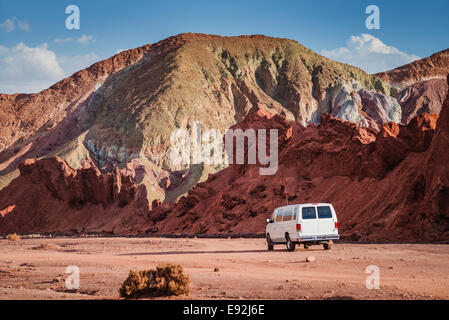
x=420 y=86
x=435 y=176
x=50 y=196
x=379 y=108
x=385 y=186
x=426 y=96
x=367 y=108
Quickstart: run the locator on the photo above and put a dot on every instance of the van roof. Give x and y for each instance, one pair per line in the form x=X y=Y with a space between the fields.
x=306 y=204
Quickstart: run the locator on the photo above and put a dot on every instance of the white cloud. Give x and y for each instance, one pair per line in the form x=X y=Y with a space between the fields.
x=3 y=50
x=21 y=62
x=23 y=25
x=8 y=25
x=370 y=54
x=63 y=40
x=86 y=39
x=32 y=69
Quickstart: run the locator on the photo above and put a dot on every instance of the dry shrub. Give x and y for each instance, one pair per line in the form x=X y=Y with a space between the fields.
x=13 y=237
x=166 y=280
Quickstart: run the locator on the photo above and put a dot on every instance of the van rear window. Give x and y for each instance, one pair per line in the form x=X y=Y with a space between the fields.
x=324 y=212
x=308 y=213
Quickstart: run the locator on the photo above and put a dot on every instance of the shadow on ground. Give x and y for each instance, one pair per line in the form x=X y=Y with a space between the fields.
x=206 y=252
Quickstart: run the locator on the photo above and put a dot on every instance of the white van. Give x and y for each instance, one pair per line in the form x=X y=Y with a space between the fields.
x=311 y=223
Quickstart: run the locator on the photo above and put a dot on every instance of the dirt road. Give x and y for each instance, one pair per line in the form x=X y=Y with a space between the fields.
x=35 y=268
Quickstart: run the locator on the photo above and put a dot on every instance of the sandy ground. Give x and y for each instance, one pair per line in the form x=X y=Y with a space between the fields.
x=35 y=268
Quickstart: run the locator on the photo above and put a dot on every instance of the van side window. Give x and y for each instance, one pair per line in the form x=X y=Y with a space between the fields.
x=279 y=216
x=324 y=212
x=308 y=213
x=287 y=216
x=295 y=213
x=273 y=216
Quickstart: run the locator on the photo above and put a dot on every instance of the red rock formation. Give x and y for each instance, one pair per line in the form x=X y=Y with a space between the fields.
x=436 y=173
x=49 y=196
x=387 y=186
x=391 y=185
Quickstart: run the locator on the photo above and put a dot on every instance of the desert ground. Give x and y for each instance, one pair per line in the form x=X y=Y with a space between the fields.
x=34 y=268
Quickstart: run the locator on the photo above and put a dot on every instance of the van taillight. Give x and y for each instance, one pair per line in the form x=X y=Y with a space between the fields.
x=298 y=227
x=336 y=225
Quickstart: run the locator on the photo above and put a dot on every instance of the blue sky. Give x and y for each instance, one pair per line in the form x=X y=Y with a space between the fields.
x=36 y=49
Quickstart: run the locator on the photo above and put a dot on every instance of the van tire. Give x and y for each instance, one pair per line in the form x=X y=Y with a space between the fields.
x=290 y=244
x=327 y=246
x=269 y=243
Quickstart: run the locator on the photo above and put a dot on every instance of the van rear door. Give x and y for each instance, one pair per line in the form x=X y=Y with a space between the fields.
x=326 y=223
x=309 y=221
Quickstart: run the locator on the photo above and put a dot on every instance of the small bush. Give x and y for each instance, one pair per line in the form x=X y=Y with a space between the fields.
x=13 y=237
x=166 y=280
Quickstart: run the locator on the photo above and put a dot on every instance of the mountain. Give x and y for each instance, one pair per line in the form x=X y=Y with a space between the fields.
x=434 y=67
x=122 y=111
x=421 y=85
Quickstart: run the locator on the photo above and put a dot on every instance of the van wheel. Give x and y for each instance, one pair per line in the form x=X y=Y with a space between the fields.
x=327 y=246
x=290 y=244
x=269 y=243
